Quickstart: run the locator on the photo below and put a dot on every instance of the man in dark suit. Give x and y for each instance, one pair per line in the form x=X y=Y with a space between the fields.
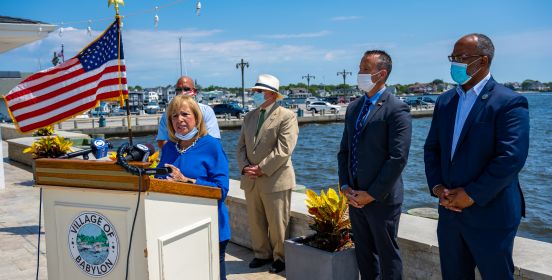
x=476 y=146
x=373 y=153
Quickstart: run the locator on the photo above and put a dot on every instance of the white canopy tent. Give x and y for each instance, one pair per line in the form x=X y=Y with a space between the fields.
x=16 y=32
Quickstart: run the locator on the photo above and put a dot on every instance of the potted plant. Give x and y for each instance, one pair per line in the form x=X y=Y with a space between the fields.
x=329 y=253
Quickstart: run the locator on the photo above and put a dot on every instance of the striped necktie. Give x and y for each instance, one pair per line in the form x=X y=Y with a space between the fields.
x=354 y=144
x=261 y=121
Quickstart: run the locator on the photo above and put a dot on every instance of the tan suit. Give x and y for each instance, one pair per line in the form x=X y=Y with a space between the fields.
x=268 y=197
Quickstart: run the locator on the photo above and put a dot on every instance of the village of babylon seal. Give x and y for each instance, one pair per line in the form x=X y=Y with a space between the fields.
x=93 y=243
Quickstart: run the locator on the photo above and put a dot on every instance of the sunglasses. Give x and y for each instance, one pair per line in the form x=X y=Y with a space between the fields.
x=185 y=89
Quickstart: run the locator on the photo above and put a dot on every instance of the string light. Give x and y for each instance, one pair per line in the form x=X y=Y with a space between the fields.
x=156 y=17
x=155 y=9
x=89 y=28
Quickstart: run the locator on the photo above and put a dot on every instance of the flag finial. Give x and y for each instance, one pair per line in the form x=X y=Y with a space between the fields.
x=116 y=3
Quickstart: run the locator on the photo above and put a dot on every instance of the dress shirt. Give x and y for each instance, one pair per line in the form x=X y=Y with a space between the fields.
x=465 y=104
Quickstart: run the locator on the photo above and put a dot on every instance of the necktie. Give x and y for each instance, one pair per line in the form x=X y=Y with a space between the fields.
x=354 y=144
x=261 y=121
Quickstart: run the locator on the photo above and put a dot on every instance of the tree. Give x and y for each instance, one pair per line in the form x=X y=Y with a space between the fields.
x=437 y=82
x=138 y=88
x=526 y=84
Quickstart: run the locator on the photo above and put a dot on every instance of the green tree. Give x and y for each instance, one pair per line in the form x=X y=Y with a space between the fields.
x=526 y=84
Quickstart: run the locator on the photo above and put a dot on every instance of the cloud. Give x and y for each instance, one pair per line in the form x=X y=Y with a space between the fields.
x=299 y=35
x=344 y=18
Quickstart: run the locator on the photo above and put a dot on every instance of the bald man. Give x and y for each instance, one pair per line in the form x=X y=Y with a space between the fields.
x=185 y=85
x=476 y=146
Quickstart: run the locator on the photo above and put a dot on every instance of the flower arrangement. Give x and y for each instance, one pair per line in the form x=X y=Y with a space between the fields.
x=49 y=147
x=329 y=219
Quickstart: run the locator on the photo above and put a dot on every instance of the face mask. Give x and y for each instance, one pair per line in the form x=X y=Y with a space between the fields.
x=365 y=83
x=459 y=72
x=186 y=136
x=258 y=99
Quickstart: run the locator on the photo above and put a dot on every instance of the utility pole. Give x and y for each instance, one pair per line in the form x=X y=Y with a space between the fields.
x=242 y=65
x=344 y=75
x=180 y=52
x=308 y=77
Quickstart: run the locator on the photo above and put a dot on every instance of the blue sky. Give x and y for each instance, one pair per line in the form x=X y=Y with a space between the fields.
x=291 y=39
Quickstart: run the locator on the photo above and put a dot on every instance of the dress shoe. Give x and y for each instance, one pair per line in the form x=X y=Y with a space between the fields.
x=277 y=267
x=255 y=263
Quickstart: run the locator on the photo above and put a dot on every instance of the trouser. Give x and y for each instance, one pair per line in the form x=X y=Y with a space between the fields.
x=375 y=228
x=268 y=216
x=462 y=248
x=222 y=264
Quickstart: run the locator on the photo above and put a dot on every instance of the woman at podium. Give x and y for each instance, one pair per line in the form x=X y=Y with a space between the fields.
x=196 y=157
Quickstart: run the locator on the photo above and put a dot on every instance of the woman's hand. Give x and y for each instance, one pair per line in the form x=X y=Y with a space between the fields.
x=177 y=176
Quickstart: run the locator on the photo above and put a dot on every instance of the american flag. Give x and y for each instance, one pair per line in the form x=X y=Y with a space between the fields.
x=53 y=95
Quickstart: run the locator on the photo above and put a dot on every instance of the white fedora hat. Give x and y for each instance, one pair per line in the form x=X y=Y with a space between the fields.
x=268 y=82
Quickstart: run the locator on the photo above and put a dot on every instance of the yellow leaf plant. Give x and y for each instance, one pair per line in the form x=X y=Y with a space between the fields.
x=329 y=219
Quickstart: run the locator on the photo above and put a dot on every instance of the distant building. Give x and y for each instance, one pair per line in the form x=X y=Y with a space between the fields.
x=420 y=88
x=513 y=85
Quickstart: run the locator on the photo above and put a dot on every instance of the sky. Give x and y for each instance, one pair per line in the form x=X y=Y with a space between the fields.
x=292 y=39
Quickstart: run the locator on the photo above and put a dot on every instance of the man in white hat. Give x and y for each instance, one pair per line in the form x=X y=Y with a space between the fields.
x=267 y=139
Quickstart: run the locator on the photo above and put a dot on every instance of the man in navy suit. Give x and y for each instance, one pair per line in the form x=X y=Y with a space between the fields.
x=476 y=146
x=373 y=153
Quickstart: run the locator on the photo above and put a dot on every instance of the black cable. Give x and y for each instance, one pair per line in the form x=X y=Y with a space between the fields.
x=134 y=220
x=39 y=226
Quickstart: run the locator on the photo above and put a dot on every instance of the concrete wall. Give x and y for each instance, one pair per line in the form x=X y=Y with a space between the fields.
x=417 y=240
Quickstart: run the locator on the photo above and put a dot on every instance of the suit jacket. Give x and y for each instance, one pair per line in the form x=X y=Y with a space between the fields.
x=383 y=148
x=490 y=152
x=271 y=149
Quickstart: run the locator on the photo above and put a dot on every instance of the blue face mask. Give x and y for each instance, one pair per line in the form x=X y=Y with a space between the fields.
x=459 y=72
x=187 y=136
x=258 y=99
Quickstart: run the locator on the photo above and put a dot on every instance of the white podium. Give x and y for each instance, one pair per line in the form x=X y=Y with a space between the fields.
x=89 y=209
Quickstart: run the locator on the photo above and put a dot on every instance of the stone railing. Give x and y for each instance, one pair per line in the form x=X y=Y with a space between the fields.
x=417 y=240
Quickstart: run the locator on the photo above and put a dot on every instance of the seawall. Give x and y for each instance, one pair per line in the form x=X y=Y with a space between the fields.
x=417 y=240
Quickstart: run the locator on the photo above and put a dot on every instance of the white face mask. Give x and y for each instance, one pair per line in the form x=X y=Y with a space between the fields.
x=365 y=83
x=186 y=136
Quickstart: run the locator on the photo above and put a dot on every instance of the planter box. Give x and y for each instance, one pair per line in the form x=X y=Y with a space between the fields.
x=305 y=262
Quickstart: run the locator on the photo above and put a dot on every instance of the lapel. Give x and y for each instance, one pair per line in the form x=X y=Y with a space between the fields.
x=477 y=106
x=270 y=116
x=451 y=107
x=374 y=110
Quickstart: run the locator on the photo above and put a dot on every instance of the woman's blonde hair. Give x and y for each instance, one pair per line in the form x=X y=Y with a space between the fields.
x=176 y=105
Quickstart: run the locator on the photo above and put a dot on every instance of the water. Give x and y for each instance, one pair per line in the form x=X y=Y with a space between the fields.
x=315 y=162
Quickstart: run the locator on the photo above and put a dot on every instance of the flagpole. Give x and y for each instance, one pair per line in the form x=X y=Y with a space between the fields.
x=121 y=96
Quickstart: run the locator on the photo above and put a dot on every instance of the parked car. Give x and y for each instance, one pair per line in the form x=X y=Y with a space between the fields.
x=152 y=108
x=309 y=100
x=233 y=109
x=323 y=105
x=332 y=99
x=426 y=99
x=417 y=103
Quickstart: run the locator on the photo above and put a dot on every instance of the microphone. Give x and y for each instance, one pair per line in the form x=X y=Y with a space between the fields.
x=139 y=152
x=99 y=147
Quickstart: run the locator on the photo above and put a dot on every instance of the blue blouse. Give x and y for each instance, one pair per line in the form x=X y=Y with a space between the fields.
x=207 y=163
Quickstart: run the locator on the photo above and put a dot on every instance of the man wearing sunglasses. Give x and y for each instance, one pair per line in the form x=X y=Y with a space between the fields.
x=476 y=146
x=185 y=85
